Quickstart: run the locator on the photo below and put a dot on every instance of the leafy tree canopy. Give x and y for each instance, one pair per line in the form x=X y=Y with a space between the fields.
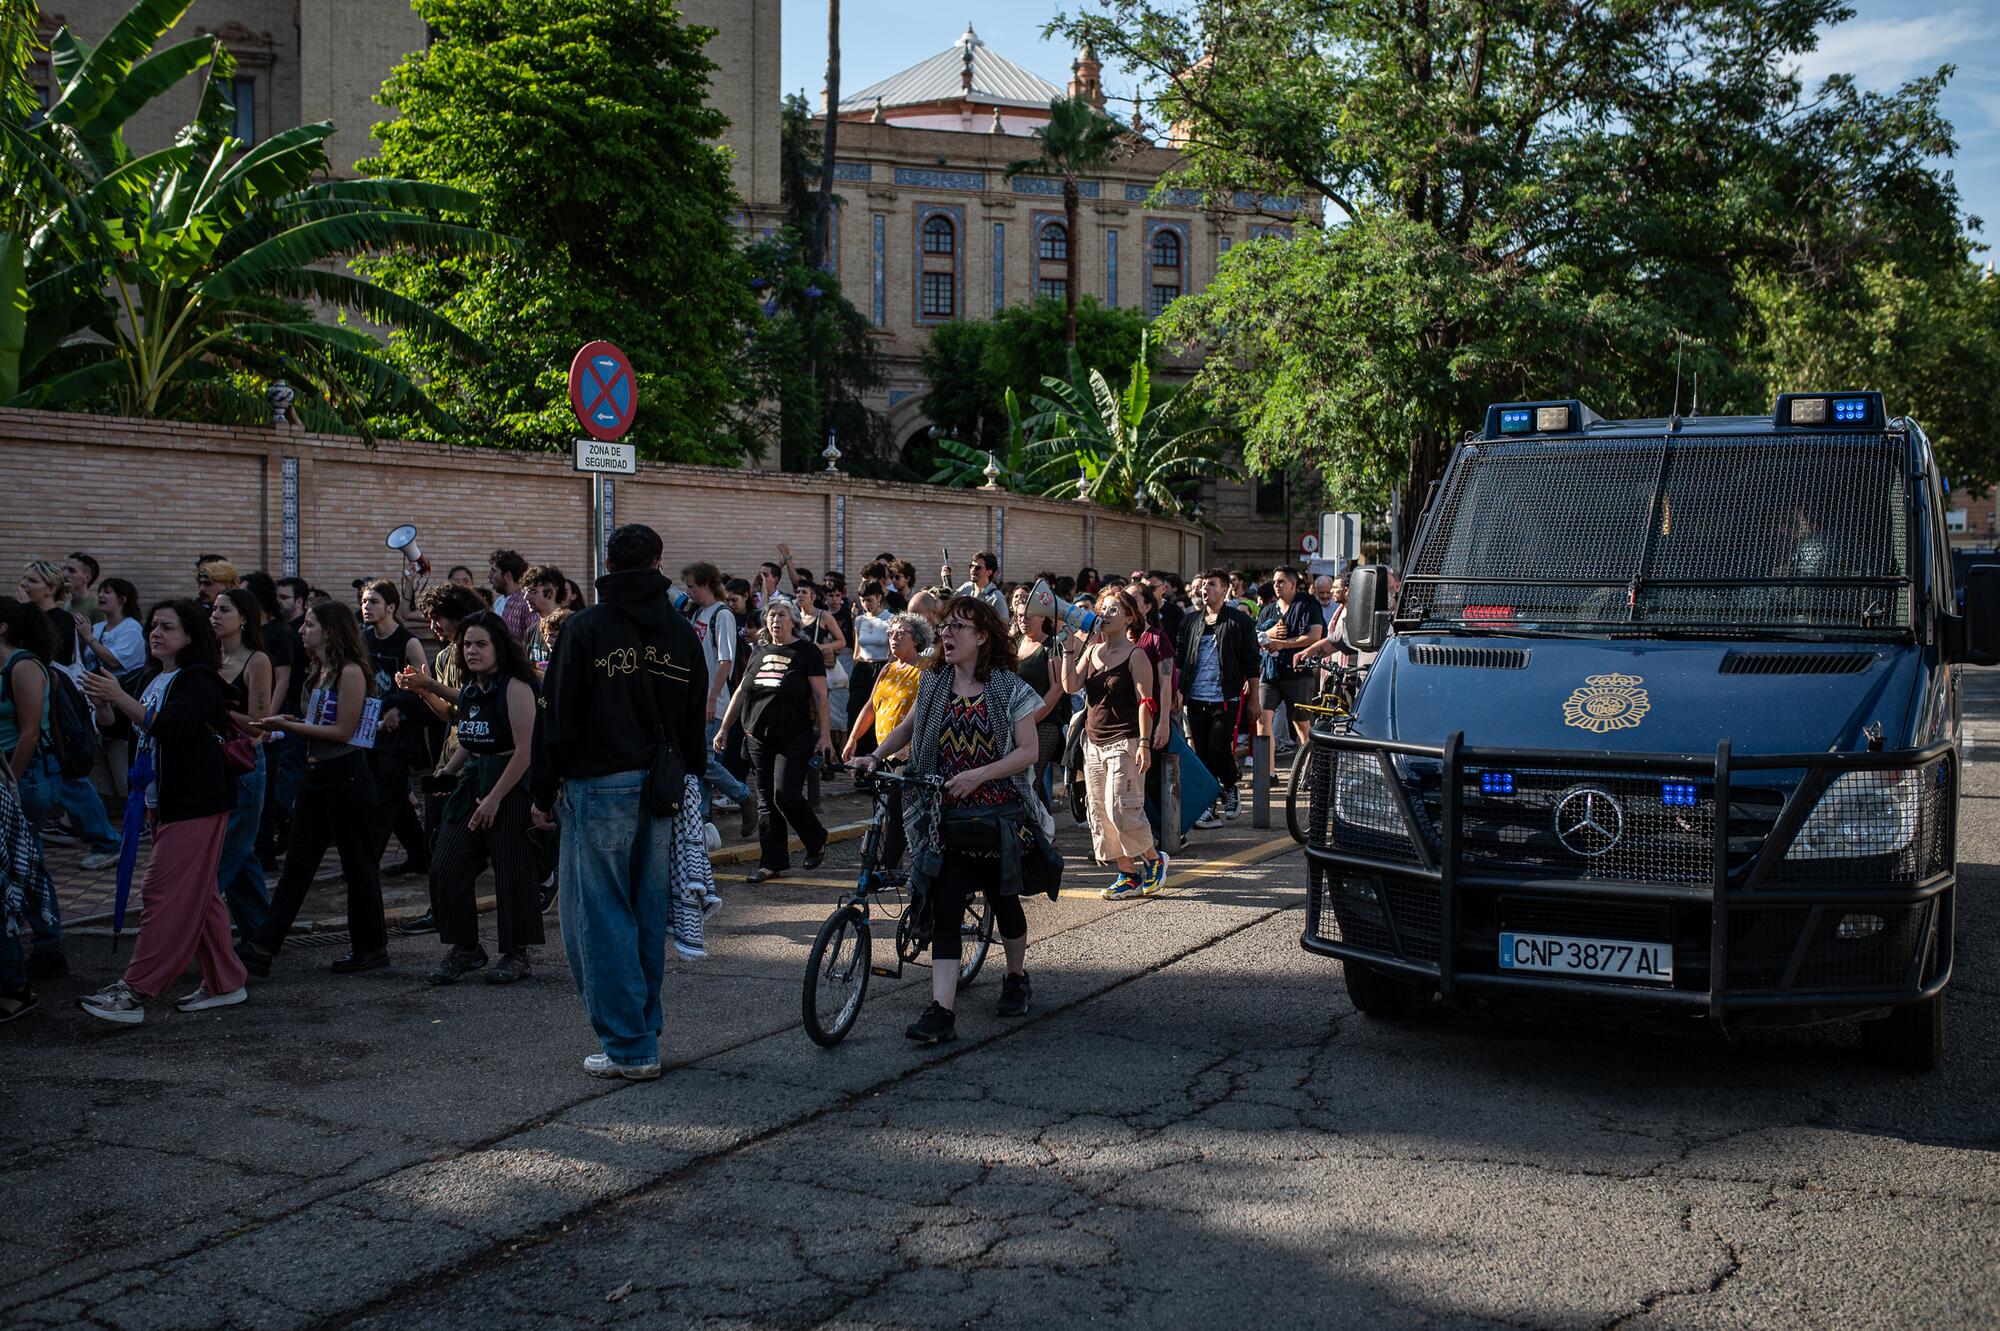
x=1522 y=200
x=807 y=367
x=971 y=364
x=582 y=125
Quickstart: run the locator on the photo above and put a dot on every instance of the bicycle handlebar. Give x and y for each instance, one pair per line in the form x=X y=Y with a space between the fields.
x=898 y=779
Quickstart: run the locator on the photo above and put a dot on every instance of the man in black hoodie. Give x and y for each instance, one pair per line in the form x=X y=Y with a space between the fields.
x=627 y=676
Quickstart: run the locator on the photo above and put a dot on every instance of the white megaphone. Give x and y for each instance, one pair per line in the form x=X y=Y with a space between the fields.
x=403 y=541
x=1069 y=618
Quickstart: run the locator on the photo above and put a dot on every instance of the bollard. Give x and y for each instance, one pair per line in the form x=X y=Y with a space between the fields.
x=1171 y=839
x=1260 y=781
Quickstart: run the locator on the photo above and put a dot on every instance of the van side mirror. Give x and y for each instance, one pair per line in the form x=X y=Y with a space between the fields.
x=1978 y=627
x=1368 y=617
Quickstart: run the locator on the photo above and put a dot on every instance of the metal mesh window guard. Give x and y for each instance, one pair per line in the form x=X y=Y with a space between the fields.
x=1681 y=532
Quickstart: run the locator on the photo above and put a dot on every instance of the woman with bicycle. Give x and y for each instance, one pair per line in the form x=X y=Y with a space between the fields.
x=973 y=725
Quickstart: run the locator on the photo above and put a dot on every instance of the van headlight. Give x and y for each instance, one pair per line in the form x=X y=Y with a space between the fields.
x=1862 y=813
x=1361 y=798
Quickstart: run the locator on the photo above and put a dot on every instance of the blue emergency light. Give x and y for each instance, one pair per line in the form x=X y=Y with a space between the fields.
x=1678 y=794
x=1496 y=783
x=1517 y=420
x=1830 y=411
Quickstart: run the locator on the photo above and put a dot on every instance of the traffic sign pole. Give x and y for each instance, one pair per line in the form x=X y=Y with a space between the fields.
x=604 y=395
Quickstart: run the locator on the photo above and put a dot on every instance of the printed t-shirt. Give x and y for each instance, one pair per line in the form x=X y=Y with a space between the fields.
x=779 y=680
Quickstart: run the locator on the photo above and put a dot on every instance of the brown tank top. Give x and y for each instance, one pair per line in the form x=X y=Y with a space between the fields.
x=1111 y=698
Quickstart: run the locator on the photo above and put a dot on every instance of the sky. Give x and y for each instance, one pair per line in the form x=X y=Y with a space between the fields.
x=1886 y=42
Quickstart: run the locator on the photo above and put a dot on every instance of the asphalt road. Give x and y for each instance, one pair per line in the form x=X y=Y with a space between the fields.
x=1192 y=1127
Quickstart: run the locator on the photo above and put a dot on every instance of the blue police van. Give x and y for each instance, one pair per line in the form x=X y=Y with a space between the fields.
x=1664 y=729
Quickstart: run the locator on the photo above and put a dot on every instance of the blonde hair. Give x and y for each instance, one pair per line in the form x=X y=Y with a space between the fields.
x=220 y=572
x=48 y=573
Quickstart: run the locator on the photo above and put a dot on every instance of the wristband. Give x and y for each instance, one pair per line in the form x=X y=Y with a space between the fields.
x=1150 y=705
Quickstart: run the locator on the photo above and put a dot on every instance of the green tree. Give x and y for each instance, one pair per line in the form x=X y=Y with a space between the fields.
x=807 y=368
x=1932 y=346
x=1523 y=201
x=971 y=363
x=1076 y=140
x=1138 y=449
x=172 y=284
x=583 y=127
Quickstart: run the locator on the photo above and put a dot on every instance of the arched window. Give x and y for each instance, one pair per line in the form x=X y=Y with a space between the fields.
x=939 y=236
x=1166 y=249
x=1053 y=243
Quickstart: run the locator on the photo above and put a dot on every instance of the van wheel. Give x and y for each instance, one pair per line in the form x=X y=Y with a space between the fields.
x=1384 y=996
x=1909 y=1039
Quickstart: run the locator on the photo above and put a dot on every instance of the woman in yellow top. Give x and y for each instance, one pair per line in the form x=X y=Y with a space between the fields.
x=910 y=638
x=895 y=692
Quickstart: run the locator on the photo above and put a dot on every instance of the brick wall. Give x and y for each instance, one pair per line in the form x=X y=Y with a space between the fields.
x=146 y=497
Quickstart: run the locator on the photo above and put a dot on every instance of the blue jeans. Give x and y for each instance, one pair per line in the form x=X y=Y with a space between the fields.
x=718 y=777
x=45 y=789
x=287 y=769
x=614 y=921
x=240 y=874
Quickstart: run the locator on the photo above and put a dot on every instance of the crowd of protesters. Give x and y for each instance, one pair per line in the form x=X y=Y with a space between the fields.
x=248 y=729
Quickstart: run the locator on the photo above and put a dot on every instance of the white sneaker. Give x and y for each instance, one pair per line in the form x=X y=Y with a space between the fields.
x=99 y=859
x=1210 y=817
x=115 y=1002
x=600 y=1065
x=201 y=1000
x=711 y=838
x=723 y=804
x=1232 y=804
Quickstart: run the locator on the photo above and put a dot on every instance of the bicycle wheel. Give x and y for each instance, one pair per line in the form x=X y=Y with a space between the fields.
x=836 y=976
x=1299 y=789
x=975 y=939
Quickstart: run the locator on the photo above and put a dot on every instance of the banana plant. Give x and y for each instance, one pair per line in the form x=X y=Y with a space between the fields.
x=1126 y=450
x=962 y=465
x=176 y=283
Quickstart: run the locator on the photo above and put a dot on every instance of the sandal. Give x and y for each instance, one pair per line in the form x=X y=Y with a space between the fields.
x=761 y=874
x=18 y=1003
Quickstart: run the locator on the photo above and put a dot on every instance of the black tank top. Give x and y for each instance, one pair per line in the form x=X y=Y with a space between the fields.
x=483 y=724
x=1112 y=701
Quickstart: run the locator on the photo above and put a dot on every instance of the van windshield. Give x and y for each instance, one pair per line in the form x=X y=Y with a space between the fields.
x=1696 y=535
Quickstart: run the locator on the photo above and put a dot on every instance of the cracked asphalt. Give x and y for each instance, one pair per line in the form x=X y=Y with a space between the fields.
x=1192 y=1127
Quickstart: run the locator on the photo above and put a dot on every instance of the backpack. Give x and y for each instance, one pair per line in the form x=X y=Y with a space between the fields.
x=72 y=733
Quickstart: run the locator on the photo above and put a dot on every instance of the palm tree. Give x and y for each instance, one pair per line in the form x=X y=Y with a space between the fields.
x=1077 y=140
x=175 y=283
x=1130 y=450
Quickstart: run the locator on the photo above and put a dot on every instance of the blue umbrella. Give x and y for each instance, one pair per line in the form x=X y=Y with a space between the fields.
x=136 y=781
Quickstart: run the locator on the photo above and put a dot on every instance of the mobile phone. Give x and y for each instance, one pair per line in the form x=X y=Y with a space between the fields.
x=944 y=555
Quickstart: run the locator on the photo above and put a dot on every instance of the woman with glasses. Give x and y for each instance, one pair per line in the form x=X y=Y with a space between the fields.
x=973 y=724
x=783 y=707
x=1121 y=706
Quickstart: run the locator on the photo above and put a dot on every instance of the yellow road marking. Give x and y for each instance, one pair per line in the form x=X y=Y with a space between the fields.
x=1177 y=872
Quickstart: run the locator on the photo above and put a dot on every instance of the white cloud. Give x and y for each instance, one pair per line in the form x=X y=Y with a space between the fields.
x=1883 y=52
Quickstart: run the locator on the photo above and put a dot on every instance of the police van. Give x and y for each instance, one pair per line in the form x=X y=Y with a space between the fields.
x=1664 y=730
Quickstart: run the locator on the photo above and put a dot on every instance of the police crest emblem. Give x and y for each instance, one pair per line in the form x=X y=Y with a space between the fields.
x=1606 y=703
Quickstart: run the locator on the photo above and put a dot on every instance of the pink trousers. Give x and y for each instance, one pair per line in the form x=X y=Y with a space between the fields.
x=184 y=918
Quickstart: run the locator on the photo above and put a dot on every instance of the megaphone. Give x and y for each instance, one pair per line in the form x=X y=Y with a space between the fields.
x=403 y=541
x=682 y=601
x=1069 y=618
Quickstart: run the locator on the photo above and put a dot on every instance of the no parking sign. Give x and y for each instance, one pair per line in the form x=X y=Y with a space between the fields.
x=602 y=391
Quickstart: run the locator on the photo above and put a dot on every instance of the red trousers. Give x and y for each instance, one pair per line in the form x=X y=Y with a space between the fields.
x=185 y=920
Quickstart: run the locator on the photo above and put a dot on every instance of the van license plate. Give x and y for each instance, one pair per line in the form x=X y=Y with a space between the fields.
x=1604 y=958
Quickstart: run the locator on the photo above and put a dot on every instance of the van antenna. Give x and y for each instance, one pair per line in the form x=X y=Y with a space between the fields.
x=1694 y=406
x=1677 y=373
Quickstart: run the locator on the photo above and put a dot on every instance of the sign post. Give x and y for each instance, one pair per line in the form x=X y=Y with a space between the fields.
x=604 y=394
x=1340 y=536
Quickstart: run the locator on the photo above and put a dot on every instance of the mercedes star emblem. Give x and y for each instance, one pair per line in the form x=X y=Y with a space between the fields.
x=1589 y=821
